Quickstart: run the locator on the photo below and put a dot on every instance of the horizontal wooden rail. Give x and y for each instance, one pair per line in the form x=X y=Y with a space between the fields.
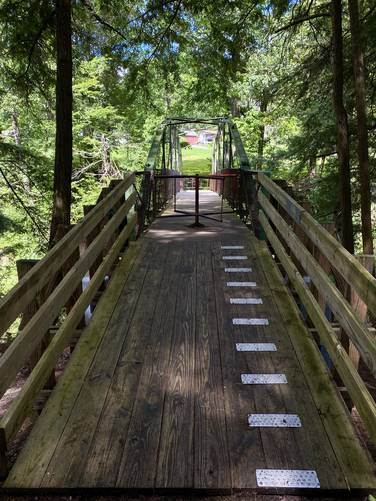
x=349 y=375
x=14 y=303
x=349 y=267
x=358 y=333
x=27 y=339
x=22 y=404
x=106 y=232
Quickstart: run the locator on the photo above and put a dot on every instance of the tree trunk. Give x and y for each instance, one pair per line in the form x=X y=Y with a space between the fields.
x=360 y=100
x=342 y=129
x=16 y=129
x=17 y=139
x=261 y=140
x=63 y=148
x=235 y=107
x=105 y=170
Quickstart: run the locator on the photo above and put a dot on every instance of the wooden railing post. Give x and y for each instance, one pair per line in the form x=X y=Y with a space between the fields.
x=360 y=308
x=23 y=266
x=3 y=456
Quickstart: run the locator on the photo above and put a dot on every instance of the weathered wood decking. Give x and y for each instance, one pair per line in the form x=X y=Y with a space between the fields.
x=152 y=398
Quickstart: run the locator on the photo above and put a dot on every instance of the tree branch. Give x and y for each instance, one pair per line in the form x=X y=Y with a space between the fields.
x=36 y=40
x=102 y=21
x=301 y=20
x=9 y=184
x=166 y=30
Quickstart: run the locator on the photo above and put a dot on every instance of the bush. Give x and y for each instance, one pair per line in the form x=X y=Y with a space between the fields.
x=185 y=144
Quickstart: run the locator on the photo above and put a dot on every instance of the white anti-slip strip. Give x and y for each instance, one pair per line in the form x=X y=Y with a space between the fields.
x=245 y=300
x=256 y=347
x=238 y=270
x=250 y=321
x=232 y=247
x=274 y=421
x=288 y=478
x=234 y=258
x=263 y=379
x=241 y=284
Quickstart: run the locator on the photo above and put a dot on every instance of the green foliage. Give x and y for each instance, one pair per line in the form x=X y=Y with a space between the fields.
x=185 y=144
x=197 y=159
x=136 y=63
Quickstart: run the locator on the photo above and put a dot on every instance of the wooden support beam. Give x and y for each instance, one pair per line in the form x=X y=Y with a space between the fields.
x=347 y=264
x=363 y=340
x=23 y=267
x=360 y=307
x=349 y=375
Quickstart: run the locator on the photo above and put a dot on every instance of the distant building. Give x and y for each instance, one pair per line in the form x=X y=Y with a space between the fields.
x=206 y=136
x=190 y=136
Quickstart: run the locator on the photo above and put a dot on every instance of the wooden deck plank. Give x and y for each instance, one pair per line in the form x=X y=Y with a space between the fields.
x=103 y=461
x=140 y=455
x=245 y=446
x=175 y=463
x=152 y=398
x=212 y=468
x=283 y=448
x=306 y=447
x=298 y=448
x=357 y=467
x=68 y=462
x=35 y=456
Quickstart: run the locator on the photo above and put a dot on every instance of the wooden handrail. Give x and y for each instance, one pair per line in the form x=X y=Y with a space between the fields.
x=349 y=375
x=15 y=356
x=358 y=333
x=13 y=304
x=349 y=267
x=107 y=245
x=21 y=405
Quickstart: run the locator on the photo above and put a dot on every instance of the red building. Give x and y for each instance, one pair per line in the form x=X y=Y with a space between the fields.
x=190 y=136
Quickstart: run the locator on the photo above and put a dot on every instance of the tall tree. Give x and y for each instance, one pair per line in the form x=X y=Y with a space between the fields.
x=343 y=151
x=61 y=210
x=361 y=115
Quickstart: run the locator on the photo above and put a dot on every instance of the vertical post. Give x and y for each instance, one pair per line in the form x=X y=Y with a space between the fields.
x=164 y=150
x=230 y=161
x=197 y=199
x=170 y=151
x=175 y=194
x=3 y=457
x=23 y=266
x=223 y=180
x=224 y=147
x=154 y=196
x=359 y=306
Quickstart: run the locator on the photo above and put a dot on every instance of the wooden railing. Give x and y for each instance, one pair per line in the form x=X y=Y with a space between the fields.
x=284 y=222
x=54 y=286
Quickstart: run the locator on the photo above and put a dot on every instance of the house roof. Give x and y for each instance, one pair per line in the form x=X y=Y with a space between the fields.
x=191 y=133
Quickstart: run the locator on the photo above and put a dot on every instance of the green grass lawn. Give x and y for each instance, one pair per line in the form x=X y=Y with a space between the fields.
x=197 y=159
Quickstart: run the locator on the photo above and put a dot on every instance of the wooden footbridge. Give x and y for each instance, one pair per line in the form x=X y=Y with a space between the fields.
x=203 y=357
